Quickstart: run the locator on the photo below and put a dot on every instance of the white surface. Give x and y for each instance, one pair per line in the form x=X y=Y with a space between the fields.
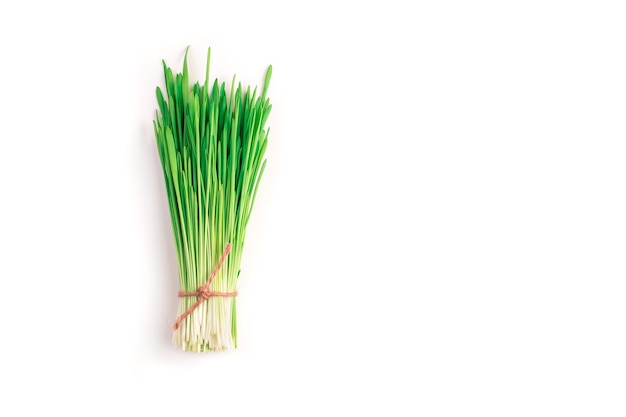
x=440 y=231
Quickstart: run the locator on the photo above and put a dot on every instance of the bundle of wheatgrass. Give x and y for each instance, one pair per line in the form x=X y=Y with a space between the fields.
x=211 y=143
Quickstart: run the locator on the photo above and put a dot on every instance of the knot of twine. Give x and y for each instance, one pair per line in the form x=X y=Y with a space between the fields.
x=203 y=293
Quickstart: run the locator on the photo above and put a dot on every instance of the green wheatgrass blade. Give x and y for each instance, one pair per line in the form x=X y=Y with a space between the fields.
x=212 y=145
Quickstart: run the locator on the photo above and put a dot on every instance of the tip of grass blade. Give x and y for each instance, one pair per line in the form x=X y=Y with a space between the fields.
x=208 y=64
x=185 y=67
x=268 y=76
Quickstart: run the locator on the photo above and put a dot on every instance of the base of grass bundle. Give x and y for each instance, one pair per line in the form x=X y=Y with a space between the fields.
x=212 y=145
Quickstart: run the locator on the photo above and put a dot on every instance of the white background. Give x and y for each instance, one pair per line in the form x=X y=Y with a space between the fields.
x=440 y=231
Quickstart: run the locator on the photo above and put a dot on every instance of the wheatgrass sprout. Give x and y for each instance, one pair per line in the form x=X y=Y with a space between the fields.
x=212 y=145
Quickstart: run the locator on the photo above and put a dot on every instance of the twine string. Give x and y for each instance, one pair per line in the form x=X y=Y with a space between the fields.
x=203 y=292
